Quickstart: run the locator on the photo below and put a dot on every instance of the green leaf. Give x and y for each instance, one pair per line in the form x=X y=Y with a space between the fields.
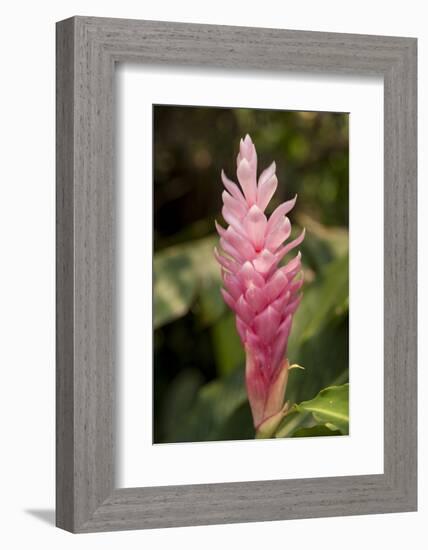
x=216 y=404
x=179 y=398
x=325 y=357
x=228 y=350
x=323 y=243
x=327 y=299
x=238 y=426
x=182 y=273
x=210 y=306
x=319 y=336
x=326 y=414
x=174 y=285
x=330 y=407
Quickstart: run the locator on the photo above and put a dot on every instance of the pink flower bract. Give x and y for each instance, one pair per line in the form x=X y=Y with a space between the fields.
x=263 y=295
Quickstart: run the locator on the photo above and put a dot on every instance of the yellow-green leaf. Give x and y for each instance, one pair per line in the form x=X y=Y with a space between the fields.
x=330 y=408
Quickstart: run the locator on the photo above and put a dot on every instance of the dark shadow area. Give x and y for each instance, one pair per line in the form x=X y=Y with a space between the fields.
x=47 y=515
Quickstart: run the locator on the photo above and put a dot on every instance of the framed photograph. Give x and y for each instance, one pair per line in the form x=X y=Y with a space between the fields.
x=236 y=274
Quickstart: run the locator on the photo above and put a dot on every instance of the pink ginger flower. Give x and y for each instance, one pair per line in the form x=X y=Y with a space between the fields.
x=263 y=295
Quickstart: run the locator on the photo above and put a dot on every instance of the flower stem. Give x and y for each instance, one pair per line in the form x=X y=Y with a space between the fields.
x=267 y=429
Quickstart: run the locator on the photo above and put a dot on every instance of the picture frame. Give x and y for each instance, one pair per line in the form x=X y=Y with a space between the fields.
x=87 y=50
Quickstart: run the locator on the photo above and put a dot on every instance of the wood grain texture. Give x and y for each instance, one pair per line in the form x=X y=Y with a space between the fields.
x=87 y=50
x=64 y=277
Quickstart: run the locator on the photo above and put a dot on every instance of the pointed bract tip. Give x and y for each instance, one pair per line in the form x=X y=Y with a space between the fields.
x=244 y=168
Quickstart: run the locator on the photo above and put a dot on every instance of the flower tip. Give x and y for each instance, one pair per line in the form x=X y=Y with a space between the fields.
x=223 y=177
x=253 y=211
x=220 y=229
x=246 y=148
x=244 y=168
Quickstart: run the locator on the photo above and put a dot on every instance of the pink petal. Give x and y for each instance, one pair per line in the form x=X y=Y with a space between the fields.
x=233 y=220
x=287 y=248
x=266 y=324
x=280 y=304
x=228 y=299
x=247 y=151
x=256 y=386
x=248 y=275
x=226 y=263
x=284 y=327
x=276 y=285
x=266 y=192
x=292 y=306
x=255 y=225
x=281 y=233
x=233 y=205
x=259 y=352
x=280 y=212
x=253 y=340
x=295 y=286
x=242 y=245
x=264 y=261
x=292 y=272
x=247 y=178
x=220 y=229
x=244 y=311
x=268 y=183
x=281 y=341
x=231 y=250
x=256 y=298
x=232 y=285
x=275 y=398
x=246 y=147
x=232 y=188
x=293 y=266
x=242 y=328
x=267 y=174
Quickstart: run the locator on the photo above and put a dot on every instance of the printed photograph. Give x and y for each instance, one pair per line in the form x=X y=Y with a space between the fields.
x=250 y=274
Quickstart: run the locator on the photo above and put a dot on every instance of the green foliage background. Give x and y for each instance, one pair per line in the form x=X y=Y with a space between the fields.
x=199 y=391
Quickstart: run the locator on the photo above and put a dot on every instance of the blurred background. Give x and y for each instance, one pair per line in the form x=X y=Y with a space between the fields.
x=199 y=390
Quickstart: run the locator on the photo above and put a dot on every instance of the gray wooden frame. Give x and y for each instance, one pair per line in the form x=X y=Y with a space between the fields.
x=87 y=50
